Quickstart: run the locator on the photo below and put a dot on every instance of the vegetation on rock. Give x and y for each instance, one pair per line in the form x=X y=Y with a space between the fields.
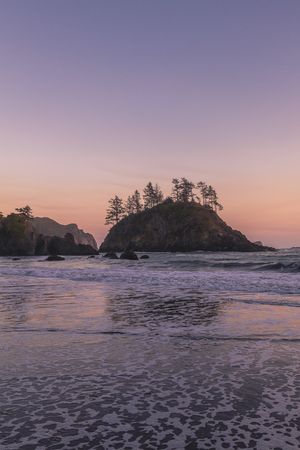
x=176 y=226
x=183 y=191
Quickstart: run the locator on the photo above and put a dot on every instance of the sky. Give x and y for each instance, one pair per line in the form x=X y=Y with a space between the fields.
x=98 y=97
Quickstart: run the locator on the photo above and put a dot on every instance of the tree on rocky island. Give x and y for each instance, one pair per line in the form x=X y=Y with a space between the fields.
x=137 y=203
x=175 y=195
x=133 y=203
x=202 y=187
x=152 y=195
x=209 y=197
x=183 y=190
x=26 y=212
x=115 y=211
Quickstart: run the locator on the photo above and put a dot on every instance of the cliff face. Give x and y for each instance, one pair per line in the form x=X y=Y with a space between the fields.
x=176 y=227
x=19 y=237
x=48 y=227
x=54 y=245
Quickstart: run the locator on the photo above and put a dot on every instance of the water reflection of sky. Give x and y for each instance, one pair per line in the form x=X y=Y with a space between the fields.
x=29 y=303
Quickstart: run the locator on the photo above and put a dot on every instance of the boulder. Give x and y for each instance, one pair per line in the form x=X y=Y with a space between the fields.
x=145 y=257
x=54 y=258
x=110 y=255
x=129 y=254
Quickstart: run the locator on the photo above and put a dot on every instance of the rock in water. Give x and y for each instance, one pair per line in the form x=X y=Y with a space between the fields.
x=176 y=226
x=128 y=254
x=54 y=258
x=145 y=257
x=110 y=255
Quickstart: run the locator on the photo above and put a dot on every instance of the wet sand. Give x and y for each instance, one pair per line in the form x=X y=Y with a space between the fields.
x=164 y=355
x=118 y=391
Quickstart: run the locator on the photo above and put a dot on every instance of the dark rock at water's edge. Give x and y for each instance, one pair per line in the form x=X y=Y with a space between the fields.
x=145 y=257
x=110 y=255
x=171 y=227
x=54 y=258
x=15 y=259
x=64 y=246
x=129 y=254
x=91 y=256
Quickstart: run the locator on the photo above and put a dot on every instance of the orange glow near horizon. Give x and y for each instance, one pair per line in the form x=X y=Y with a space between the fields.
x=98 y=99
x=258 y=213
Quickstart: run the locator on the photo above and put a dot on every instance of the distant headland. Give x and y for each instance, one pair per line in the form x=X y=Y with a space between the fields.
x=21 y=234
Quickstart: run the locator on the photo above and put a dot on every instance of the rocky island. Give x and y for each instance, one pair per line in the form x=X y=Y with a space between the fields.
x=182 y=222
x=173 y=226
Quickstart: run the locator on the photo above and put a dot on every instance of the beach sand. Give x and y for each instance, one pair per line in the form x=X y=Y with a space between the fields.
x=121 y=392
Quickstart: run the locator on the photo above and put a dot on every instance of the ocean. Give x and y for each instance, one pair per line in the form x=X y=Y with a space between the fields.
x=179 y=351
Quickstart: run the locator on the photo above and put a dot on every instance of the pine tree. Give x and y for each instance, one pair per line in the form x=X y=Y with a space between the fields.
x=129 y=207
x=152 y=195
x=26 y=212
x=158 y=195
x=115 y=211
x=137 y=204
x=202 y=186
x=175 y=190
x=186 y=190
x=148 y=195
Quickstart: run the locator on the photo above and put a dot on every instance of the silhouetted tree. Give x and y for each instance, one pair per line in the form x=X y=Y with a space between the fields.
x=152 y=195
x=186 y=193
x=133 y=203
x=137 y=203
x=202 y=187
x=182 y=191
x=148 y=194
x=129 y=206
x=175 y=190
x=26 y=212
x=209 y=196
x=115 y=211
x=218 y=207
x=158 y=195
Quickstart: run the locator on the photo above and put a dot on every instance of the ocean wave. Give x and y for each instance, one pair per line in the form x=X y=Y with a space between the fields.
x=163 y=332
x=171 y=284
x=239 y=263
x=291 y=267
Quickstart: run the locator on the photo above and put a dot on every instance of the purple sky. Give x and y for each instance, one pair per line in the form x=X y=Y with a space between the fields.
x=98 y=97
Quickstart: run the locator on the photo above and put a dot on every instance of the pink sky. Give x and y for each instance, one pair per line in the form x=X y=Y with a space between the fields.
x=97 y=99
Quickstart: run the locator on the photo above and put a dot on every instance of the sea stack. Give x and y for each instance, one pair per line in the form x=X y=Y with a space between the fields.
x=176 y=226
